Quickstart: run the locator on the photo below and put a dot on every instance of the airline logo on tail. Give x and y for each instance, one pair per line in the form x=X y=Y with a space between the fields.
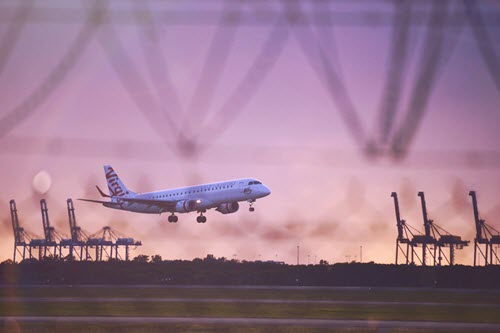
x=115 y=188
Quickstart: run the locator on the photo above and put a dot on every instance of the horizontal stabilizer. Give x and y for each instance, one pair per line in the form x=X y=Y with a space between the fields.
x=110 y=203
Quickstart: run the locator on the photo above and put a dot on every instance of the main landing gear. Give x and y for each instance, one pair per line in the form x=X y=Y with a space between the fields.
x=173 y=218
x=201 y=218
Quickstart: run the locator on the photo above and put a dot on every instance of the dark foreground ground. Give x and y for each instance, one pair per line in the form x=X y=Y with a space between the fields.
x=211 y=271
x=216 y=295
x=157 y=308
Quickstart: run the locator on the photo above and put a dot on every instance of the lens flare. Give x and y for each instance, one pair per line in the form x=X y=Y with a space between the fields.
x=42 y=182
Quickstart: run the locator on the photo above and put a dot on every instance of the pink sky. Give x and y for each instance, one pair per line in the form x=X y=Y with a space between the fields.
x=326 y=196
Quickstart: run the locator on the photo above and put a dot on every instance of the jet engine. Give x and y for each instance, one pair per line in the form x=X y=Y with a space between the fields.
x=228 y=208
x=185 y=206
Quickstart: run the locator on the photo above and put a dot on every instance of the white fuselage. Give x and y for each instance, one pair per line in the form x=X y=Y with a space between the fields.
x=206 y=196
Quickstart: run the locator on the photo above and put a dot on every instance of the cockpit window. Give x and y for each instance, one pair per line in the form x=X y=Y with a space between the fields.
x=250 y=183
x=257 y=182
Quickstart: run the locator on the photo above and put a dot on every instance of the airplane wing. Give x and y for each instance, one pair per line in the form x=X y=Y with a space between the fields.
x=152 y=202
x=169 y=205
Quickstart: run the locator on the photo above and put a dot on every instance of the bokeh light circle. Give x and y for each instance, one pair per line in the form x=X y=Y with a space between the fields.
x=42 y=182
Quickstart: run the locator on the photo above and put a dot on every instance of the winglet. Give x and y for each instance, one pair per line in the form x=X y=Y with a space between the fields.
x=102 y=193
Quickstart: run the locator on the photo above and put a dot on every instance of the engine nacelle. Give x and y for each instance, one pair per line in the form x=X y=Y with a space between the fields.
x=185 y=206
x=228 y=208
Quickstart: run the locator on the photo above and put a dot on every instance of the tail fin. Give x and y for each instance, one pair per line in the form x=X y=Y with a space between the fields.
x=115 y=185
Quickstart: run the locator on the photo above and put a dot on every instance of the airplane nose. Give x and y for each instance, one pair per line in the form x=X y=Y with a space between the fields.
x=266 y=191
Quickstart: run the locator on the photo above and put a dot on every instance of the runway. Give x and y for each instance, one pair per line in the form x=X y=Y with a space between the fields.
x=232 y=300
x=374 y=324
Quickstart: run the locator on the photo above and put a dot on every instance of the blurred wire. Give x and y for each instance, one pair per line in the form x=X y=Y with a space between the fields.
x=362 y=16
x=391 y=94
x=325 y=34
x=212 y=71
x=14 y=30
x=264 y=155
x=431 y=59
x=136 y=86
x=247 y=87
x=149 y=37
x=57 y=75
x=195 y=127
x=428 y=70
x=483 y=41
x=323 y=67
x=311 y=26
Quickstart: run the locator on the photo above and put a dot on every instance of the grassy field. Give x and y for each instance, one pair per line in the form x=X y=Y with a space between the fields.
x=254 y=310
x=388 y=295
x=457 y=309
x=159 y=328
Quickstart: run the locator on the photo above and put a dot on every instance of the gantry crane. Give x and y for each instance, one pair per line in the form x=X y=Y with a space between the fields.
x=106 y=240
x=77 y=242
x=22 y=238
x=432 y=231
x=429 y=237
x=485 y=234
x=52 y=238
x=404 y=234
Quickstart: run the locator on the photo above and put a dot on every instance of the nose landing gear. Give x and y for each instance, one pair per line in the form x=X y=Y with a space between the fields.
x=173 y=218
x=251 y=209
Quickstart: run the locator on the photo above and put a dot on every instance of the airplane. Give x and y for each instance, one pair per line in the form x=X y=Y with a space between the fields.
x=223 y=196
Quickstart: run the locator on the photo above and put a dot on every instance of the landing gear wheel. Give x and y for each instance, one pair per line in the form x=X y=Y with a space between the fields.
x=251 y=209
x=201 y=219
x=173 y=219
